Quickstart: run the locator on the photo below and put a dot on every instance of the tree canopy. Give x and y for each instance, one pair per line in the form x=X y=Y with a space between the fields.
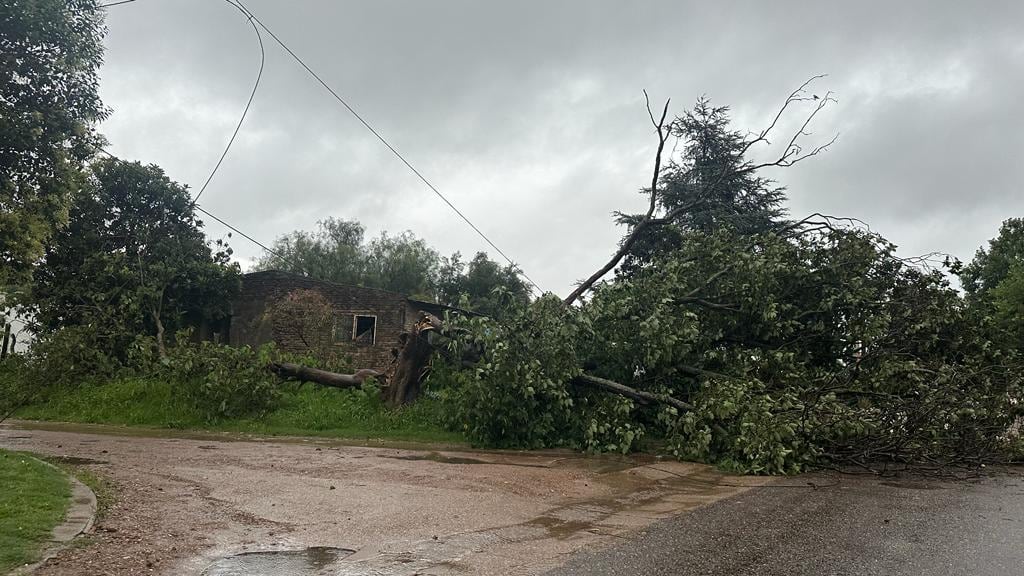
x=710 y=187
x=132 y=260
x=486 y=286
x=50 y=51
x=994 y=280
x=337 y=251
x=991 y=266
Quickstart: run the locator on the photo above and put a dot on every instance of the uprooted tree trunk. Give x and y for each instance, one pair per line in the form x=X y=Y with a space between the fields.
x=413 y=361
x=400 y=384
x=290 y=371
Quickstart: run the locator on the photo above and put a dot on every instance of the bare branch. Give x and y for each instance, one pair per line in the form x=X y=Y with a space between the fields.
x=632 y=393
x=798 y=95
x=792 y=154
x=663 y=134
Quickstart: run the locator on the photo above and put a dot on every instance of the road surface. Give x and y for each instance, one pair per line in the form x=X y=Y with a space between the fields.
x=848 y=526
x=220 y=505
x=205 y=503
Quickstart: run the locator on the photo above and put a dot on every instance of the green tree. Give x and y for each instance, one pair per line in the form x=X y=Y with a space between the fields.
x=992 y=266
x=50 y=51
x=1008 y=302
x=333 y=252
x=779 y=350
x=132 y=260
x=403 y=263
x=994 y=282
x=336 y=252
x=482 y=285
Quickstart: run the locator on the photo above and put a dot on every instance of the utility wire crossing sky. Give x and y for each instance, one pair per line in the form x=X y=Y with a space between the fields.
x=531 y=118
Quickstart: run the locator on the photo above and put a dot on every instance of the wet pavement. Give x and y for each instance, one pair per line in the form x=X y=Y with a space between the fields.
x=843 y=526
x=219 y=504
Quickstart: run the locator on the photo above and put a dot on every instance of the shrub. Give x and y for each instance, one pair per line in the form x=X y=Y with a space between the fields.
x=518 y=394
x=223 y=381
x=69 y=356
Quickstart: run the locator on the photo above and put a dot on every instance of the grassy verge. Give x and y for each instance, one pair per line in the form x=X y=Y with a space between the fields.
x=100 y=486
x=33 y=499
x=305 y=411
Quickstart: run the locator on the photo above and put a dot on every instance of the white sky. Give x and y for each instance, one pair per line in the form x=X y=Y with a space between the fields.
x=529 y=115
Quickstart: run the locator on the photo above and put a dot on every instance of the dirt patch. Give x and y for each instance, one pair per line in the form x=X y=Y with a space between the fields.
x=186 y=503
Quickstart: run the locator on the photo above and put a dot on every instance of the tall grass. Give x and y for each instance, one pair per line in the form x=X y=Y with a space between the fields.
x=306 y=410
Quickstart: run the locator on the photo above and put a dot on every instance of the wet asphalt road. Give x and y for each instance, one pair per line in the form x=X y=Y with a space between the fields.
x=856 y=526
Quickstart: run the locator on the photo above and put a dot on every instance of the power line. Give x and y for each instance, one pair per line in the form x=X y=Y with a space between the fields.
x=252 y=17
x=238 y=127
x=268 y=249
x=251 y=239
x=252 y=94
x=255 y=86
x=391 y=148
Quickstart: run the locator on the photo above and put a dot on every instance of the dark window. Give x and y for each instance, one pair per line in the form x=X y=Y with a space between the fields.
x=364 y=330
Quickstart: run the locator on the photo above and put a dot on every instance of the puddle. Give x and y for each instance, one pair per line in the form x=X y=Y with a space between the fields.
x=559 y=528
x=312 y=561
x=76 y=460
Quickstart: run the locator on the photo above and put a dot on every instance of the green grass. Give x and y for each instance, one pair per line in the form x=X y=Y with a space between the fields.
x=305 y=411
x=33 y=499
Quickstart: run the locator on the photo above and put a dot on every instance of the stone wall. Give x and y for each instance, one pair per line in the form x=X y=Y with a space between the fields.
x=250 y=326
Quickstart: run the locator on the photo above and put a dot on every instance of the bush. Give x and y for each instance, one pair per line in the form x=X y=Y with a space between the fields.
x=12 y=384
x=69 y=356
x=62 y=359
x=223 y=381
x=518 y=394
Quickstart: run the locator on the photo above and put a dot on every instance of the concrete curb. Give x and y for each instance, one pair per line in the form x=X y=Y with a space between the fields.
x=78 y=520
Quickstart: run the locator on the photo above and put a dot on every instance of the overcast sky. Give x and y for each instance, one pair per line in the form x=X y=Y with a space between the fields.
x=529 y=116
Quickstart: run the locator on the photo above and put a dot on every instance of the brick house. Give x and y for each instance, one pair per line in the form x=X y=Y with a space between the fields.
x=368 y=324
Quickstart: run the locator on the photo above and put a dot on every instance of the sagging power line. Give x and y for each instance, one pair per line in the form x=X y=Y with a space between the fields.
x=248 y=104
x=234 y=229
x=252 y=17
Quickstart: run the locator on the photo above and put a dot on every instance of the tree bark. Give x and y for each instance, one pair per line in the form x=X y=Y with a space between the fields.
x=291 y=371
x=401 y=385
x=413 y=362
x=160 y=345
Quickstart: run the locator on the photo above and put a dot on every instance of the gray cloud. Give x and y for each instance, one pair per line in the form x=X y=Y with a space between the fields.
x=529 y=115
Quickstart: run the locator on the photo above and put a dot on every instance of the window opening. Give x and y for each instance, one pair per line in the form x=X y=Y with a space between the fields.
x=364 y=330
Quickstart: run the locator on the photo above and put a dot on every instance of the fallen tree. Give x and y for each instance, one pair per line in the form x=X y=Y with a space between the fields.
x=765 y=348
x=413 y=359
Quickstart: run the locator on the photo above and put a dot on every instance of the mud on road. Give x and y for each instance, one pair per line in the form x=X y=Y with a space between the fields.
x=187 y=502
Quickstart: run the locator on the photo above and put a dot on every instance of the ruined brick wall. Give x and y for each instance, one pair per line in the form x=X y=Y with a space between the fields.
x=250 y=326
